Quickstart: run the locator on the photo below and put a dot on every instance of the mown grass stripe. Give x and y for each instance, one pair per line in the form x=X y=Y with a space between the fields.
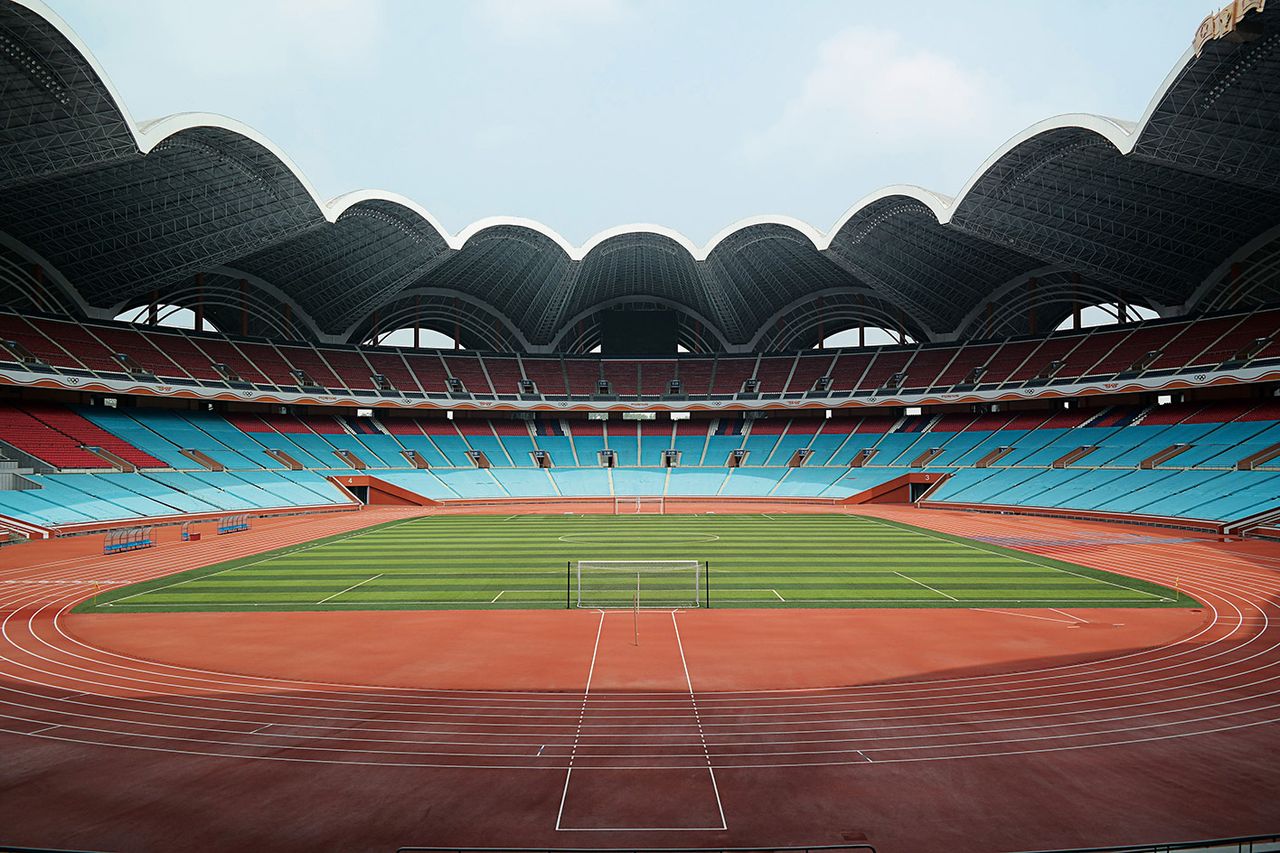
x=811 y=561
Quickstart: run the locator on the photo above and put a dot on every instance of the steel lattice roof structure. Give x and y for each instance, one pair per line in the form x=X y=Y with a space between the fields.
x=1077 y=209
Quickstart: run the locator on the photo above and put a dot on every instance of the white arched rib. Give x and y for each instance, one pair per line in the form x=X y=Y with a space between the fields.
x=147 y=135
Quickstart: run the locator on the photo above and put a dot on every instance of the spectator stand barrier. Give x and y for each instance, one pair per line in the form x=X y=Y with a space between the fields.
x=127 y=539
x=232 y=524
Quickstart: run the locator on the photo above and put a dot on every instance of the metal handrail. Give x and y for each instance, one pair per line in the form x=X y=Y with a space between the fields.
x=1242 y=843
x=766 y=849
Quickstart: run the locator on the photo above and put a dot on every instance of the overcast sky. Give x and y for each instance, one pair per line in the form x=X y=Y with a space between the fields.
x=586 y=114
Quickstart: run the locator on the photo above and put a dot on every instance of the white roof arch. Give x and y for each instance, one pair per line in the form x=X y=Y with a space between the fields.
x=148 y=134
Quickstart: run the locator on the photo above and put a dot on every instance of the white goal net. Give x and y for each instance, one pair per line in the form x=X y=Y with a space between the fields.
x=640 y=506
x=639 y=583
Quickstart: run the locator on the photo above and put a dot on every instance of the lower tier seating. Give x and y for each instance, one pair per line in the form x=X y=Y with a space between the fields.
x=1216 y=462
x=66 y=499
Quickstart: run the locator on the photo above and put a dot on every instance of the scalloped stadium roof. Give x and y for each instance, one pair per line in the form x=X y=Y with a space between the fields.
x=1075 y=209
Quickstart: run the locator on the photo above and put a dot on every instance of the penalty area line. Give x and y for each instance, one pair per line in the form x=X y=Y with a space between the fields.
x=348 y=589
x=1013 y=556
x=926 y=586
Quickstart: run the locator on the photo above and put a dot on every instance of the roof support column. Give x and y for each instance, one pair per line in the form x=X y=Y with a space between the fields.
x=1075 y=304
x=37 y=273
x=153 y=309
x=417 y=321
x=199 y=326
x=1031 y=308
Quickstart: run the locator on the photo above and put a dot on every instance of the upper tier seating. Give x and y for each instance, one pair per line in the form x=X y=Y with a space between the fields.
x=1096 y=354
x=59 y=436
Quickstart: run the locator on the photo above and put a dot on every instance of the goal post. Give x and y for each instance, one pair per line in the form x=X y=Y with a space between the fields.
x=638 y=584
x=655 y=505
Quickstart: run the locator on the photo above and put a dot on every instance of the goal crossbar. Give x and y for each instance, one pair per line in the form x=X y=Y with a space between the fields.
x=655 y=505
x=640 y=584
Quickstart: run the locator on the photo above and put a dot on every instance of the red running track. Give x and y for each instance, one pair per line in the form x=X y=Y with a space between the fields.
x=918 y=730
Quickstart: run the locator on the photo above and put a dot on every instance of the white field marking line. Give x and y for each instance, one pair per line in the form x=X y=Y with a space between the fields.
x=1012 y=556
x=606 y=538
x=1070 y=616
x=496 y=597
x=751 y=766
x=265 y=558
x=582 y=716
x=756 y=737
x=1025 y=615
x=1201 y=632
x=154 y=566
x=1239 y=726
x=926 y=586
x=951 y=734
x=775 y=592
x=348 y=589
x=549 y=603
x=546 y=603
x=693 y=698
x=176 y=583
x=148 y=559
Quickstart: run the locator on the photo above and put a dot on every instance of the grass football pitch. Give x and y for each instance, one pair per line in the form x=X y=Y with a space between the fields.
x=749 y=561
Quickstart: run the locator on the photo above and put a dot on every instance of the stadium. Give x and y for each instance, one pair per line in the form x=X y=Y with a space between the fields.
x=640 y=562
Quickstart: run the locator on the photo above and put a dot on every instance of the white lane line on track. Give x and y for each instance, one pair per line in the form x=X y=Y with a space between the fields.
x=926 y=586
x=1023 y=615
x=693 y=698
x=1263 y=617
x=353 y=586
x=175 y=671
x=582 y=716
x=64 y=636
x=1071 y=616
